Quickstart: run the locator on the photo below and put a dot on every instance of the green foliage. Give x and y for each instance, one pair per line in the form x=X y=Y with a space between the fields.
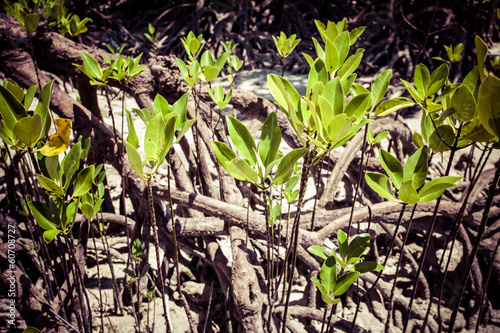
x=341 y=269
x=334 y=108
x=257 y=162
x=152 y=35
x=160 y=133
x=454 y=53
x=408 y=179
x=20 y=127
x=120 y=69
x=457 y=114
x=285 y=45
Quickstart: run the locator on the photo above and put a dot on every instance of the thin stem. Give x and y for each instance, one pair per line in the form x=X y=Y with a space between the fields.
x=430 y=232
x=157 y=250
x=393 y=289
x=306 y=168
x=472 y=257
x=488 y=277
x=360 y=172
x=453 y=235
x=268 y=263
x=101 y=310
x=389 y=250
x=324 y=319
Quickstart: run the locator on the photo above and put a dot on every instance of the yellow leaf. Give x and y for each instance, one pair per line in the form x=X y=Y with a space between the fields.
x=58 y=142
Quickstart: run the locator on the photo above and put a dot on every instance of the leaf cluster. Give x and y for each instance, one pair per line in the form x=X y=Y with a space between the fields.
x=160 y=133
x=342 y=265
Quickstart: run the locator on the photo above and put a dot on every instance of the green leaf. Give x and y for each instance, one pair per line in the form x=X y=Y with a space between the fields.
x=367 y=266
x=422 y=79
x=408 y=194
x=334 y=93
x=180 y=107
x=355 y=33
x=440 y=74
x=84 y=181
x=344 y=282
x=417 y=96
x=416 y=167
x=240 y=169
x=358 y=105
x=154 y=139
x=392 y=105
x=473 y=81
x=87 y=210
x=350 y=65
x=331 y=57
x=464 y=103
x=211 y=72
x=144 y=114
x=443 y=133
x=285 y=167
x=476 y=132
x=328 y=274
x=488 y=105
x=358 y=246
x=93 y=70
x=168 y=140
x=27 y=130
x=187 y=125
x=380 y=184
x=31 y=22
x=132 y=138
x=223 y=152
x=135 y=160
x=343 y=243
x=70 y=160
x=319 y=251
x=342 y=45
x=50 y=186
x=30 y=329
x=379 y=86
x=242 y=139
x=339 y=127
x=11 y=110
x=318 y=73
x=160 y=105
x=393 y=167
x=42 y=215
x=49 y=235
x=270 y=139
x=436 y=187
x=481 y=51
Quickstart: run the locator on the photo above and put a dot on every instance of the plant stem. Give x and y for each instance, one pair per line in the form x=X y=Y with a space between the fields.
x=393 y=289
x=488 y=277
x=430 y=232
x=306 y=168
x=453 y=235
x=360 y=172
x=268 y=264
x=389 y=250
x=157 y=250
x=472 y=257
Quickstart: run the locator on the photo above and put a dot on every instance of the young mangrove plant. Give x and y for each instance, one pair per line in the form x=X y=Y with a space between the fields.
x=159 y=138
x=341 y=269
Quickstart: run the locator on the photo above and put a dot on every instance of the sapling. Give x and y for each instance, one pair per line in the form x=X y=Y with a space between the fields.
x=340 y=270
x=334 y=108
x=159 y=138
